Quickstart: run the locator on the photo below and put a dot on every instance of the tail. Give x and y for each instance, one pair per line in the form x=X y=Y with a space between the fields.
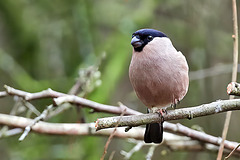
x=154 y=133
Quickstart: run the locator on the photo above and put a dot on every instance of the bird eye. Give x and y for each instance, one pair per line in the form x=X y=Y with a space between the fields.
x=133 y=35
x=150 y=38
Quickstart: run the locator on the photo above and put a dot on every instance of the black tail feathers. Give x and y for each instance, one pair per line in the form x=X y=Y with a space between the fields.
x=154 y=133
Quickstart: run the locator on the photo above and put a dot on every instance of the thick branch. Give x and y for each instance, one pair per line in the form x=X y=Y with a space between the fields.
x=206 y=109
x=66 y=128
x=191 y=112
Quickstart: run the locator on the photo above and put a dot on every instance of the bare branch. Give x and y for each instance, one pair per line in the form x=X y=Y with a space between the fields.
x=67 y=128
x=85 y=129
x=201 y=136
x=3 y=94
x=11 y=132
x=188 y=112
x=234 y=75
x=111 y=136
x=197 y=135
x=94 y=105
x=111 y=155
x=31 y=107
x=207 y=109
x=232 y=152
x=136 y=148
x=49 y=93
x=65 y=98
x=28 y=128
x=150 y=152
x=174 y=143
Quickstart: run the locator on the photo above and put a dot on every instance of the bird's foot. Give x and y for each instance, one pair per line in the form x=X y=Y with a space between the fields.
x=161 y=112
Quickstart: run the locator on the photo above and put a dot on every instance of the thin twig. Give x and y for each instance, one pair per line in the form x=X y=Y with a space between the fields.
x=111 y=155
x=11 y=132
x=32 y=108
x=136 y=148
x=28 y=128
x=224 y=134
x=5 y=132
x=234 y=75
x=150 y=152
x=232 y=152
x=111 y=136
x=3 y=94
x=86 y=82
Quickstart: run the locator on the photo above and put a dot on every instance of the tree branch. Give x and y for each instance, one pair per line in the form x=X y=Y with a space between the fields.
x=66 y=128
x=70 y=129
x=231 y=153
x=234 y=75
x=65 y=98
x=94 y=105
x=3 y=94
x=203 y=110
x=174 y=142
x=207 y=109
x=189 y=112
x=48 y=93
x=42 y=116
x=110 y=138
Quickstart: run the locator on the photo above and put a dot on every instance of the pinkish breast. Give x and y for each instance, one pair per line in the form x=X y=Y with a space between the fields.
x=159 y=79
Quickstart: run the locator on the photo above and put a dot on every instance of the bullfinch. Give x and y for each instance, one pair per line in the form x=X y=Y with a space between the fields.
x=158 y=74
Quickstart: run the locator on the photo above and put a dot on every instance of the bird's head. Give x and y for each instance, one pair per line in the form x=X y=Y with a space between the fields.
x=143 y=36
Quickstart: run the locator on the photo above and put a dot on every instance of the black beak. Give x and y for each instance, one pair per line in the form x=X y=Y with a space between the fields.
x=136 y=42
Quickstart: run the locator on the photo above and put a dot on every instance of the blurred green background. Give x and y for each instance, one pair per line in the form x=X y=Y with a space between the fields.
x=45 y=43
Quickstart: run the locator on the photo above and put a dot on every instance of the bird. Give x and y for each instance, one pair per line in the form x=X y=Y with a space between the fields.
x=158 y=74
